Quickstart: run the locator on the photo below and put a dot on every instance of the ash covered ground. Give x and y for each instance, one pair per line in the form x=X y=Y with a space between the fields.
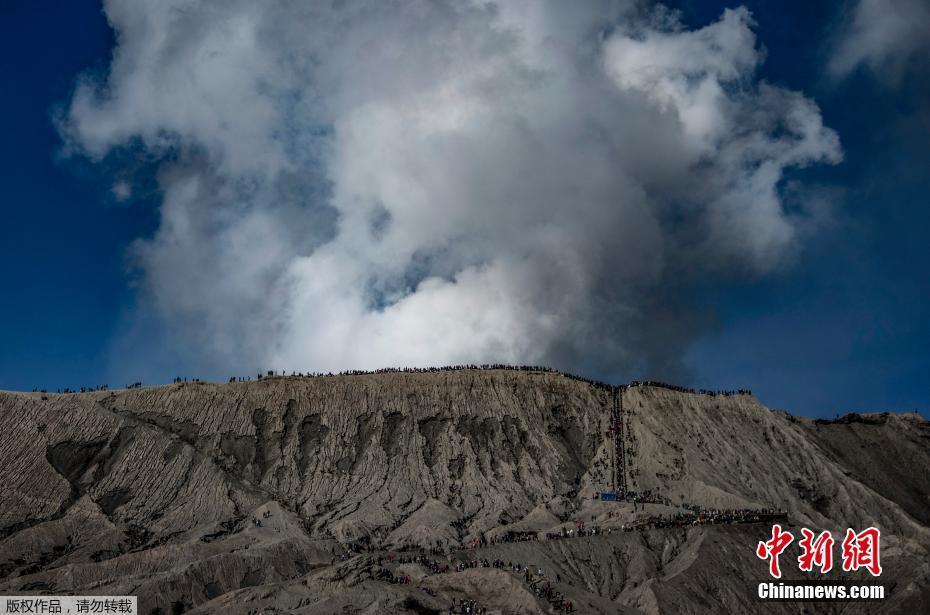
x=441 y=491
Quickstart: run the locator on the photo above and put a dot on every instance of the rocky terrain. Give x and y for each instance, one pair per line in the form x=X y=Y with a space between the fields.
x=353 y=494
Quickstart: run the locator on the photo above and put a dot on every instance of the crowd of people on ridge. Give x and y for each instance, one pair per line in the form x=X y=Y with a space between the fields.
x=537 y=581
x=447 y=368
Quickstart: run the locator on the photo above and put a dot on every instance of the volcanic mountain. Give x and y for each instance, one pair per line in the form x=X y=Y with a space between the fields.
x=421 y=492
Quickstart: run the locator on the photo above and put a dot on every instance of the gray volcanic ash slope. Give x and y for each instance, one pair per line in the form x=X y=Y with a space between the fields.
x=291 y=494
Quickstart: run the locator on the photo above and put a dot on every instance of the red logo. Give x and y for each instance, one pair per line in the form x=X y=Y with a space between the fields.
x=816 y=552
x=859 y=550
x=773 y=548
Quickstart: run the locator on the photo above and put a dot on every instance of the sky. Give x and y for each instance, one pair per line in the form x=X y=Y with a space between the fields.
x=721 y=195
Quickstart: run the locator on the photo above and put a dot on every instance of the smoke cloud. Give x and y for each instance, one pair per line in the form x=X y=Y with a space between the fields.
x=885 y=36
x=358 y=184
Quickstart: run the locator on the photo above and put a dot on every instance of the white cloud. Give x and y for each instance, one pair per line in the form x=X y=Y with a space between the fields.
x=121 y=190
x=688 y=71
x=883 y=35
x=363 y=183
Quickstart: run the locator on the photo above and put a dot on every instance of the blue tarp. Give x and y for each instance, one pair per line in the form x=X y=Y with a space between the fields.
x=608 y=496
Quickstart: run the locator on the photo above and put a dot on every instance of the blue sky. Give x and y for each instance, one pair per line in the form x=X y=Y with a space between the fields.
x=848 y=327
x=845 y=326
x=61 y=240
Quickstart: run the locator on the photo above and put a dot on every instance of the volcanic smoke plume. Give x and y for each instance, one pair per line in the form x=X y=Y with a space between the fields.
x=366 y=183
